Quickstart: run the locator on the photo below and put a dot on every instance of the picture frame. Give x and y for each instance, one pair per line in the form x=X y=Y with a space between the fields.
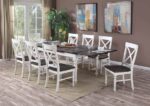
x=86 y=16
x=118 y=17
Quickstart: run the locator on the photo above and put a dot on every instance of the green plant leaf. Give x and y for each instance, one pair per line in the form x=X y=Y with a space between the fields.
x=59 y=20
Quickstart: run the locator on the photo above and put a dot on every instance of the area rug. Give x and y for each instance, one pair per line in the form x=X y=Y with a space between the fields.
x=87 y=81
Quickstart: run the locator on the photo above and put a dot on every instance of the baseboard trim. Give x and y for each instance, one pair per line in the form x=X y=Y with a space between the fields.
x=136 y=66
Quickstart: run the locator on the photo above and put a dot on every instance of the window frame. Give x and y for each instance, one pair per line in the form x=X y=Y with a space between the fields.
x=26 y=5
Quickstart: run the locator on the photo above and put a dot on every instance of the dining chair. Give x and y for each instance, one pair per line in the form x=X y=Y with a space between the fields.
x=55 y=67
x=104 y=42
x=126 y=68
x=36 y=59
x=20 y=55
x=88 y=41
x=73 y=38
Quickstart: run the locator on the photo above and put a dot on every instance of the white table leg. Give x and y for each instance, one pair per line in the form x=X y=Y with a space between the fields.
x=76 y=69
x=97 y=65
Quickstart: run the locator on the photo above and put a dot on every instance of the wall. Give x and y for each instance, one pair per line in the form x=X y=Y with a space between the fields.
x=140 y=27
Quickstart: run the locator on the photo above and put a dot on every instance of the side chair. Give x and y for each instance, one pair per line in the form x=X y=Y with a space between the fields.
x=126 y=68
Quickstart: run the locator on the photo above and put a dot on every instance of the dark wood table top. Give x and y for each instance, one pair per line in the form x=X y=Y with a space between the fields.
x=83 y=50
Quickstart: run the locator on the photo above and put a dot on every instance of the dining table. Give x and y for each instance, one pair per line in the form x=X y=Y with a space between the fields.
x=82 y=50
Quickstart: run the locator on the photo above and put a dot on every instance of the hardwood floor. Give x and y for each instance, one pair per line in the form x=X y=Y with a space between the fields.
x=14 y=92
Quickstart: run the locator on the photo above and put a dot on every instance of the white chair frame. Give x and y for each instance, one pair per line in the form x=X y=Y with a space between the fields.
x=52 y=60
x=35 y=57
x=73 y=38
x=106 y=43
x=88 y=40
x=128 y=61
x=20 y=55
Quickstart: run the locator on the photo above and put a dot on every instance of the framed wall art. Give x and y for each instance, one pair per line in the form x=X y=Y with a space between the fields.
x=86 y=17
x=118 y=17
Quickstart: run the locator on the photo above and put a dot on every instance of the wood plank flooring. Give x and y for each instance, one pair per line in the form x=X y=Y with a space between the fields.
x=14 y=92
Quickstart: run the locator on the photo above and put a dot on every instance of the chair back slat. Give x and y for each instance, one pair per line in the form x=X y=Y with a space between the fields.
x=130 y=54
x=17 y=47
x=88 y=40
x=32 y=51
x=73 y=38
x=50 y=53
x=105 y=41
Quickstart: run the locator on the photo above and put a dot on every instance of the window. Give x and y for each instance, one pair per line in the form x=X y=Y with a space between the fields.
x=19 y=20
x=28 y=19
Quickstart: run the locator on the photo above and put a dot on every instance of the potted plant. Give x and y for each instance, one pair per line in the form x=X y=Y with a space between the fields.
x=59 y=22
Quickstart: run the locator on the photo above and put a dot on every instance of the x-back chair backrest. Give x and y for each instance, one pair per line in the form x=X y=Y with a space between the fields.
x=17 y=47
x=32 y=51
x=50 y=53
x=73 y=38
x=105 y=41
x=130 y=54
x=88 y=40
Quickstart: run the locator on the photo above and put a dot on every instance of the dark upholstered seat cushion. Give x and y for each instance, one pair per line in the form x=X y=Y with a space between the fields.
x=25 y=57
x=63 y=67
x=104 y=56
x=43 y=62
x=117 y=68
x=92 y=56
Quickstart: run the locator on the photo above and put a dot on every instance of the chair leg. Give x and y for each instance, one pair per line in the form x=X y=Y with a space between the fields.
x=123 y=78
x=108 y=61
x=89 y=64
x=82 y=62
x=57 y=84
x=101 y=67
x=15 y=67
x=30 y=68
x=106 y=78
x=47 y=78
x=132 y=83
x=76 y=73
x=39 y=74
x=115 y=83
x=73 y=78
x=22 y=70
x=93 y=62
